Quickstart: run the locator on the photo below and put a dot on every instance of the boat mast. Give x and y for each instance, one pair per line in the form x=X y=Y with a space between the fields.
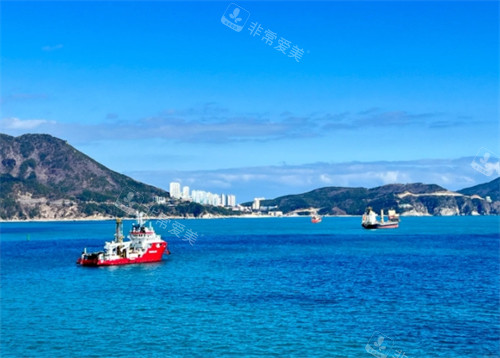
x=119 y=230
x=140 y=217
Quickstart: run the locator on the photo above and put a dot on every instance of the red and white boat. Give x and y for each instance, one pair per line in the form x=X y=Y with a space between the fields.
x=316 y=219
x=143 y=245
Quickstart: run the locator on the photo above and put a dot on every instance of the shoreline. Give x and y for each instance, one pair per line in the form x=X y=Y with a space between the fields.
x=170 y=218
x=208 y=218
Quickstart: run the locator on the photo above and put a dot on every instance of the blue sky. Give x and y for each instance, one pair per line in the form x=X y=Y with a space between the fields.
x=164 y=91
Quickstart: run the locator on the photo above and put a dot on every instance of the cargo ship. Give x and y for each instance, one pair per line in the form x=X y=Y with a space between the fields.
x=143 y=245
x=369 y=221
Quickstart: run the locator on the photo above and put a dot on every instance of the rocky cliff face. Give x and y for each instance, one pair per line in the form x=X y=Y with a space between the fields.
x=408 y=199
x=44 y=177
x=446 y=204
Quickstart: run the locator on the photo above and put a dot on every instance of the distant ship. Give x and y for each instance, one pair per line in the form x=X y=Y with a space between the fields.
x=316 y=219
x=144 y=245
x=370 y=221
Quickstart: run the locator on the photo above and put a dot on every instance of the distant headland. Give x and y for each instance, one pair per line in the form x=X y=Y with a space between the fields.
x=45 y=178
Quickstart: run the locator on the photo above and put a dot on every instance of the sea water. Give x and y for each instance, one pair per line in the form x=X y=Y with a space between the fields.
x=279 y=287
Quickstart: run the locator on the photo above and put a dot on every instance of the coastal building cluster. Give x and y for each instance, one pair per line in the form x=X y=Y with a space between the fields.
x=185 y=193
x=201 y=196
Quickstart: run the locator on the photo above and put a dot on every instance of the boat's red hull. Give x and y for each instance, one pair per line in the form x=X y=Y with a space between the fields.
x=154 y=254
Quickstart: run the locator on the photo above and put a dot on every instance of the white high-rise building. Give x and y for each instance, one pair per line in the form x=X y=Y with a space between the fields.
x=231 y=200
x=208 y=198
x=213 y=199
x=195 y=196
x=185 y=192
x=175 y=190
x=256 y=203
x=200 y=196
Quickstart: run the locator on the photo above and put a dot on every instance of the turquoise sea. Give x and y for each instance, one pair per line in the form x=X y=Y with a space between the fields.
x=280 y=287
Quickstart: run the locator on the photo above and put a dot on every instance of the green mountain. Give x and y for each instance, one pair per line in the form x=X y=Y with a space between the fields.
x=491 y=189
x=44 y=177
x=408 y=199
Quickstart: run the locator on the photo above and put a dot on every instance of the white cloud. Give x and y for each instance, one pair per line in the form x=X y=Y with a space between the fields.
x=390 y=177
x=273 y=181
x=325 y=178
x=212 y=124
x=16 y=97
x=49 y=48
x=14 y=123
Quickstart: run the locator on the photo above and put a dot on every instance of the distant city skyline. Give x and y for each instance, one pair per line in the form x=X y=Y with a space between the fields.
x=201 y=196
x=382 y=92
